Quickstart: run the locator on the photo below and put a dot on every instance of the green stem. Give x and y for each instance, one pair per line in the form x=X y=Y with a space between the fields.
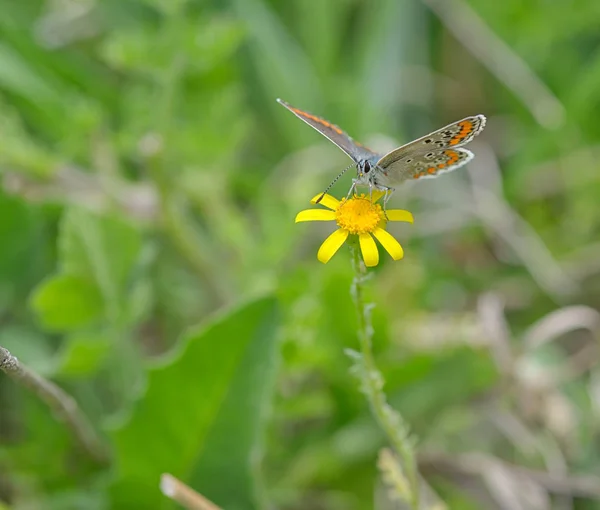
x=390 y=421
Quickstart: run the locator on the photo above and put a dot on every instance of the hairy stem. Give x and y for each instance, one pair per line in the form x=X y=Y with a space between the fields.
x=63 y=406
x=390 y=421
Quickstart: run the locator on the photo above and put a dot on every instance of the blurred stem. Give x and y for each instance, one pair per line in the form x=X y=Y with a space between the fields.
x=63 y=406
x=184 y=495
x=390 y=421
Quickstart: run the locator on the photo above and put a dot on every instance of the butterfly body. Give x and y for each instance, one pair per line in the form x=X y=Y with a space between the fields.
x=425 y=158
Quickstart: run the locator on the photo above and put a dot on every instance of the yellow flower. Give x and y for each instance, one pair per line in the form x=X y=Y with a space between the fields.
x=357 y=216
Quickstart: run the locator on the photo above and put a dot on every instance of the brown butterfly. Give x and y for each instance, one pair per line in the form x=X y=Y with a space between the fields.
x=425 y=158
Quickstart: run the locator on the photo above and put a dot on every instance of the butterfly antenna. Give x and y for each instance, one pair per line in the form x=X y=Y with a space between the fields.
x=334 y=181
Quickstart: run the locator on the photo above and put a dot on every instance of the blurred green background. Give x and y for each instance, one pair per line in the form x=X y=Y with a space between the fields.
x=150 y=265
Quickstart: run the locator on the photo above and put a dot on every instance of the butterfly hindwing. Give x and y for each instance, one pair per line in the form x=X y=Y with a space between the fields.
x=424 y=165
x=355 y=150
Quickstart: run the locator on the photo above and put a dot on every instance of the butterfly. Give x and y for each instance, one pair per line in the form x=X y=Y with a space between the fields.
x=424 y=158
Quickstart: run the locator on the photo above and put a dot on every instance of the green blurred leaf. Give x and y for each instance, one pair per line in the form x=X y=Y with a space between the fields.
x=19 y=151
x=66 y=302
x=448 y=379
x=103 y=248
x=202 y=415
x=86 y=236
x=17 y=227
x=204 y=44
x=83 y=354
x=18 y=76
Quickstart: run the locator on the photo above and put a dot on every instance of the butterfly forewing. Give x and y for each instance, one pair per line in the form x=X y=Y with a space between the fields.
x=354 y=149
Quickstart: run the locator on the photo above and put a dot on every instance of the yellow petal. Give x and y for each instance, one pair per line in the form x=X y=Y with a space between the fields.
x=315 y=215
x=369 y=250
x=327 y=201
x=399 y=215
x=389 y=243
x=377 y=194
x=331 y=245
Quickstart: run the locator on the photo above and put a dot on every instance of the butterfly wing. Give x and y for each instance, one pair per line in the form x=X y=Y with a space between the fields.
x=424 y=165
x=355 y=150
x=433 y=154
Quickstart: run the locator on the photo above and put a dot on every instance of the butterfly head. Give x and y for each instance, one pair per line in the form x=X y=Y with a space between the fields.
x=364 y=172
x=368 y=173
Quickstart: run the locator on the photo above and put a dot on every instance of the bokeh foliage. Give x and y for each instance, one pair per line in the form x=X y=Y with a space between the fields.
x=149 y=263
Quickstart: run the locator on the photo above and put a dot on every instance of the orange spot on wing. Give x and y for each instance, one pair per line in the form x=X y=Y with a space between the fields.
x=466 y=128
x=318 y=120
x=453 y=157
x=431 y=170
x=441 y=165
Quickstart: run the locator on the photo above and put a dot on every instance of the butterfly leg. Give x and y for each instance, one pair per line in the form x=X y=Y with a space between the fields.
x=352 y=189
x=386 y=197
x=372 y=186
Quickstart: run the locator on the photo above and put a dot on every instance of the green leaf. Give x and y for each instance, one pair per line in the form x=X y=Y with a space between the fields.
x=17 y=230
x=103 y=248
x=19 y=76
x=83 y=354
x=67 y=302
x=202 y=415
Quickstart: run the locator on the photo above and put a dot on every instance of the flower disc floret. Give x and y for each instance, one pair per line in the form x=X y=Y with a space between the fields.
x=358 y=215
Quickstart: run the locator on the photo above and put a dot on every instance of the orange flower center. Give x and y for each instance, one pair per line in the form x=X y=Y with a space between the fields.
x=358 y=215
